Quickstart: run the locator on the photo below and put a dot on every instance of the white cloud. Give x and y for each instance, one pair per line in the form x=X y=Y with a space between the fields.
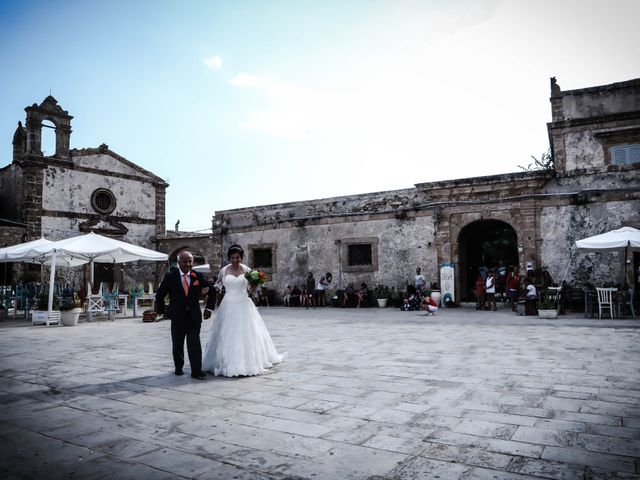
x=246 y=80
x=213 y=62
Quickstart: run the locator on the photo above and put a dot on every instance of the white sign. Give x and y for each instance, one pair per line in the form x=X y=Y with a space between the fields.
x=447 y=282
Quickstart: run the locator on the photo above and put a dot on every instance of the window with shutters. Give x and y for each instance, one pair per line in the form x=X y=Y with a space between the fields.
x=624 y=155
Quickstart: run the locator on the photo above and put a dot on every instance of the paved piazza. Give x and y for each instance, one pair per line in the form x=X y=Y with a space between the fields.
x=364 y=394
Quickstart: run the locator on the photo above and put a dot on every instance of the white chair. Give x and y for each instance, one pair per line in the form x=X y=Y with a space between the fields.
x=95 y=302
x=605 y=300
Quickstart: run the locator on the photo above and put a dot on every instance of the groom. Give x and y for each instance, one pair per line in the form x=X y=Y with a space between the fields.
x=185 y=287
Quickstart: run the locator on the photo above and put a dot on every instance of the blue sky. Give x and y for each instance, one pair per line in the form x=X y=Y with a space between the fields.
x=241 y=103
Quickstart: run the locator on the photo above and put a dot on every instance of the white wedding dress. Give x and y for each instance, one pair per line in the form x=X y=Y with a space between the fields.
x=239 y=342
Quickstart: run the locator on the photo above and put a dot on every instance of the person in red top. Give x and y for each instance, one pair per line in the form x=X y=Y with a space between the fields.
x=479 y=293
x=513 y=286
x=430 y=305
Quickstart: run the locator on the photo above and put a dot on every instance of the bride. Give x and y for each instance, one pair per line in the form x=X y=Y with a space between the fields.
x=239 y=343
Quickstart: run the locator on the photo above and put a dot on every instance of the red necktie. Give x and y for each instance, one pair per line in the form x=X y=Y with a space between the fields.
x=185 y=285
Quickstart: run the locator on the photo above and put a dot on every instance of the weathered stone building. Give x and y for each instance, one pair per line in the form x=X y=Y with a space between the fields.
x=529 y=217
x=77 y=191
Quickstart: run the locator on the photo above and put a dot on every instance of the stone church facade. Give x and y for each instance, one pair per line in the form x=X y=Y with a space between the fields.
x=77 y=191
x=529 y=218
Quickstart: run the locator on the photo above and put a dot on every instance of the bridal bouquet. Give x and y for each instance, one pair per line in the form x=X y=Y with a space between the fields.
x=255 y=278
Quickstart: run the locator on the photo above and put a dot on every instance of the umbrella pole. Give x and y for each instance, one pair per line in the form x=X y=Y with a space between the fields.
x=52 y=277
x=625 y=283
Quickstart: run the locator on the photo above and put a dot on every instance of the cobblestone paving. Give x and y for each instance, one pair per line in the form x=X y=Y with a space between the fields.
x=364 y=394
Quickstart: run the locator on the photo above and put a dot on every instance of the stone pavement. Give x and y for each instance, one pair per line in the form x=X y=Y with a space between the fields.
x=364 y=394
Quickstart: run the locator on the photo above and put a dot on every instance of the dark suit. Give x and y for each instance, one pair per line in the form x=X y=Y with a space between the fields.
x=186 y=317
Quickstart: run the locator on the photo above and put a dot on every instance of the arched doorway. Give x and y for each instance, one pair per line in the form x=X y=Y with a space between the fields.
x=484 y=244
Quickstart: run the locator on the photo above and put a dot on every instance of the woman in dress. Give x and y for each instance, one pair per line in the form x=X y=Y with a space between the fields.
x=239 y=343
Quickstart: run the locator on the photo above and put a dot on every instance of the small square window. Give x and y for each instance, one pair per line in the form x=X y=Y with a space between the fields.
x=359 y=254
x=262 y=258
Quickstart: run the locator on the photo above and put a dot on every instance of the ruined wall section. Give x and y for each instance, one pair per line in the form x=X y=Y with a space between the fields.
x=401 y=246
x=562 y=225
x=313 y=210
x=10 y=187
x=586 y=123
x=599 y=101
x=68 y=191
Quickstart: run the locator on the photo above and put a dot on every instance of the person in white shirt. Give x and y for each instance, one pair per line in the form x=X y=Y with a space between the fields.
x=320 y=289
x=490 y=290
x=531 y=292
x=419 y=280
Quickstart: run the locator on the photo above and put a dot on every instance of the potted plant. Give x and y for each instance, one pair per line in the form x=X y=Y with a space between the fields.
x=70 y=310
x=41 y=313
x=547 y=308
x=382 y=295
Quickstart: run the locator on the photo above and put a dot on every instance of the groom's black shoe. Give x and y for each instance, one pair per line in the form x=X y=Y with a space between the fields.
x=199 y=375
x=179 y=371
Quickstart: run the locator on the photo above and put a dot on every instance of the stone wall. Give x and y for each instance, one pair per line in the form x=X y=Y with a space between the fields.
x=10 y=186
x=68 y=192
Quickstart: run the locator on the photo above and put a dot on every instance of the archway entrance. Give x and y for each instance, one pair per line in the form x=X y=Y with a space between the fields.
x=484 y=244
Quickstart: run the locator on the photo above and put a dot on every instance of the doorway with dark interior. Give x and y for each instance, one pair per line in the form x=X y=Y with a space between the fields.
x=484 y=245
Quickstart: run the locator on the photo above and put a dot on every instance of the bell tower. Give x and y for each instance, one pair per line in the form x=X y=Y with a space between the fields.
x=48 y=110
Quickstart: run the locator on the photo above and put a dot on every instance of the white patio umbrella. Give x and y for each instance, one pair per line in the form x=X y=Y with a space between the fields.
x=625 y=239
x=90 y=248
x=36 y=251
x=204 y=268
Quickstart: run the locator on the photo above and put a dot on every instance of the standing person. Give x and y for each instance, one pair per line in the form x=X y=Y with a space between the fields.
x=185 y=287
x=513 y=286
x=320 y=289
x=311 y=288
x=501 y=280
x=480 y=293
x=419 y=281
x=490 y=290
x=239 y=342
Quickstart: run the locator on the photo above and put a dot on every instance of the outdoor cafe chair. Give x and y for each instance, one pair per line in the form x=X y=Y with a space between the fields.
x=625 y=303
x=605 y=300
x=95 y=301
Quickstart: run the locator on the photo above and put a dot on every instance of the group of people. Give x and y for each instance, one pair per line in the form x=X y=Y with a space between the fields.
x=310 y=295
x=509 y=281
x=239 y=343
x=418 y=297
x=360 y=295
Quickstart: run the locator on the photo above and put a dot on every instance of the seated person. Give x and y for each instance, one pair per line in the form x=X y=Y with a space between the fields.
x=263 y=296
x=286 y=296
x=362 y=295
x=530 y=290
x=348 y=293
x=296 y=293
